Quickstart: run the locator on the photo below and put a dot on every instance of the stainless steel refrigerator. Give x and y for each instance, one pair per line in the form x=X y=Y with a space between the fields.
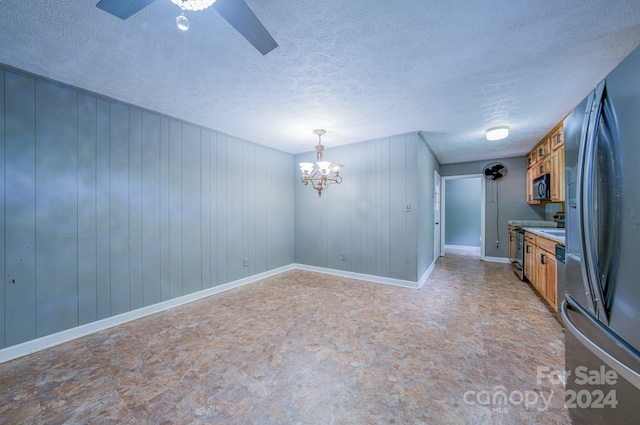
x=601 y=282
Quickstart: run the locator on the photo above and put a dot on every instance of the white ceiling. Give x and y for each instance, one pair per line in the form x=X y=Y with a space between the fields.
x=360 y=69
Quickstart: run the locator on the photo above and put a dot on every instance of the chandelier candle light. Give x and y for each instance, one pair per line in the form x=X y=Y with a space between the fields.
x=329 y=173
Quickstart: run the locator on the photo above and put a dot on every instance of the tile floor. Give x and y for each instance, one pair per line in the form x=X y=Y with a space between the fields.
x=307 y=348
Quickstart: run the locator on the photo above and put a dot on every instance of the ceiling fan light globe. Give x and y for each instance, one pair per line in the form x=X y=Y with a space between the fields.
x=182 y=22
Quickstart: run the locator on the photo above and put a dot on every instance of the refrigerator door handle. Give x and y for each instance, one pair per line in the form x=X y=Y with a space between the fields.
x=595 y=271
x=620 y=368
x=584 y=199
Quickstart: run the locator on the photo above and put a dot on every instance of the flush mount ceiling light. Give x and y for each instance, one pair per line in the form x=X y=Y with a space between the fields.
x=196 y=5
x=497 y=133
x=329 y=173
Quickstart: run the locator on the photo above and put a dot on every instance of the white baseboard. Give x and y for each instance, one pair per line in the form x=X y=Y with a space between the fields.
x=359 y=276
x=463 y=247
x=496 y=260
x=426 y=275
x=67 y=335
x=47 y=341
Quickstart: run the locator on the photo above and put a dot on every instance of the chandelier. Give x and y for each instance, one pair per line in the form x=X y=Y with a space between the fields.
x=196 y=5
x=328 y=173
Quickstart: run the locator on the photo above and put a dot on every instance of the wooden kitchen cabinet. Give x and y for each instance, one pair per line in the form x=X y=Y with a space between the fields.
x=551 y=278
x=547 y=157
x=544 y=148
x=541 y=266
x=531 y=175
x=546 y=276
x=530 y=258
x=532 y=158
x=557 y=138
x=557 y=175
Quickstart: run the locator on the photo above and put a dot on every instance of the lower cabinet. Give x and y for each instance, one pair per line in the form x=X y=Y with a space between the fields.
x=546 y=272
x=530 y=258
x=541 y=267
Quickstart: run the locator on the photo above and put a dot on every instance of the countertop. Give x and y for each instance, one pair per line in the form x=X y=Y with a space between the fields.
x=540 y=231
x=533 y=223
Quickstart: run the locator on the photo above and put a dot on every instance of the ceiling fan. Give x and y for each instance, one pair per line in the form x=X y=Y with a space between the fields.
x=236 y=12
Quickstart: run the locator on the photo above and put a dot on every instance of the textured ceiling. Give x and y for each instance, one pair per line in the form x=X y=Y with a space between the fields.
x=360 y=69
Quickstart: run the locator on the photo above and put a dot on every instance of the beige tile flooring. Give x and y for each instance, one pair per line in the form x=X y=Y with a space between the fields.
x=308 y=348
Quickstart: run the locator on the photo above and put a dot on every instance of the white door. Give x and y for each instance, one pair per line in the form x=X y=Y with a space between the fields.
x=437 y=235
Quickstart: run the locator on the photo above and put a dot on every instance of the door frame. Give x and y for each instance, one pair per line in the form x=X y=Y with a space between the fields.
x=443 y=224
x=437 y=217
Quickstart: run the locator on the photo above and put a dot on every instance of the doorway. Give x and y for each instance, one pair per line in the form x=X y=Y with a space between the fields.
x=462 y=219
x=437 y=233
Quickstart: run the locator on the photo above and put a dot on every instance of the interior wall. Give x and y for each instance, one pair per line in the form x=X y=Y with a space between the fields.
x=504 y=201
x=370 y=223
x=427 y=163
x=463 y=206
x=106 y=208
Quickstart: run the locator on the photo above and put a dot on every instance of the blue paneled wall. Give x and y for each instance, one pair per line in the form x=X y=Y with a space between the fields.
x=107 y=208
x=379 y=221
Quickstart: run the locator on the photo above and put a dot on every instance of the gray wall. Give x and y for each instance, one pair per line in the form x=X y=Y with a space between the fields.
x=504 y=200
x=463 y=208
x=427 y=163
x=107 y=208
x=365 y=217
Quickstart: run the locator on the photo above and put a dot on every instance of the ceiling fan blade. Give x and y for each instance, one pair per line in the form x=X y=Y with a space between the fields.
x=238 y=14
x=123 y=8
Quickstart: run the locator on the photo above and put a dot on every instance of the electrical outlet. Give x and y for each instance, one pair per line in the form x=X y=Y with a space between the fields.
x=245 y=262
x=343 y=256
x=407 y=208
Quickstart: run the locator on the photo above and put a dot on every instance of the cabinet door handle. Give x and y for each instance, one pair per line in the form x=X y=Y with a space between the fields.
x=542 y=259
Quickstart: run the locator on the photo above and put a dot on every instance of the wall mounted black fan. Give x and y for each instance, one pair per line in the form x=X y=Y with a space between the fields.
x=495 y=171
x=236 y=12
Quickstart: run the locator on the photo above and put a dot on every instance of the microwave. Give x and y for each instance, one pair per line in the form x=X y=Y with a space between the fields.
x=542 y=188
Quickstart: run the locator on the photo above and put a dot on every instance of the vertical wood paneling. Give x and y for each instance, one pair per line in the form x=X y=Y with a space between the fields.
x=175 y=207
x=222 y=172
x=371 y=225
x=108 y=208
x=270 y=216
x=87 y=209
x=251 y=206
x=56 y=208
x=151 y=209
x=103 y=209
x=213 y=200
x=3 y=281
x=285 y=208
x=397 y=156
x=165 y=205
x=386 y=208
x=191 y=209
x=369 y=222
x=119 y=208
x=135 y=208
x=261 y=212
x=411 y=218
x=237 y=213
x=20 y=208
x=354 y=255
x=205 y=209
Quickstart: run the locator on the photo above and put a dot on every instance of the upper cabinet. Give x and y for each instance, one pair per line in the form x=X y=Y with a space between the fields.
x=547 y=157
